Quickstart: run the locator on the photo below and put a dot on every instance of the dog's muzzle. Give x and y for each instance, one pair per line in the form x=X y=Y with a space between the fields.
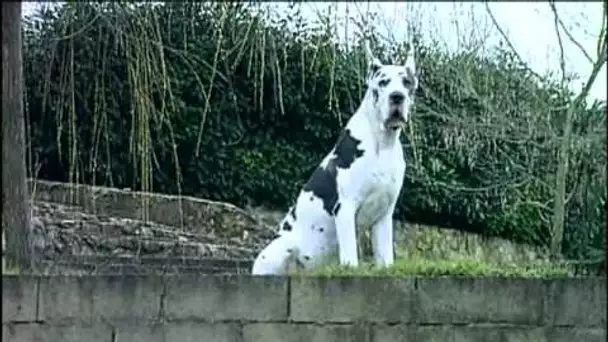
x=396 y=118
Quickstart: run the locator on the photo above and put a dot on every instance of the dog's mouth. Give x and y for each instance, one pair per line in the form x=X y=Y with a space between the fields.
x=395 y=120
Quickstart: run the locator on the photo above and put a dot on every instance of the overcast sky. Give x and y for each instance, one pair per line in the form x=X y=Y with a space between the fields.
x=529 y=26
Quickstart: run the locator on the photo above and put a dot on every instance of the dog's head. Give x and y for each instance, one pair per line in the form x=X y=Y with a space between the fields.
x=391 y=90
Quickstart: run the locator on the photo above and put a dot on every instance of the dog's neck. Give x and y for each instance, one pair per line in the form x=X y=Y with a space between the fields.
x=384 y=138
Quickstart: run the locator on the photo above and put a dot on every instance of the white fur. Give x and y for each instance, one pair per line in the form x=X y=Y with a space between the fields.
x=367 y=190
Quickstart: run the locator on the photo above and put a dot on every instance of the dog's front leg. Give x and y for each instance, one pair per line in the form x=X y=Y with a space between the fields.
x=382 y=240
x=347 y=236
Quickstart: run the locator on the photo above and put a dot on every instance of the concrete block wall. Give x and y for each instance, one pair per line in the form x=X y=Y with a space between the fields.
x=270 y=309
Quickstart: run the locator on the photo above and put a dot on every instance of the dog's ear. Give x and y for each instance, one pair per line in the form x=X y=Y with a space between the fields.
x=373 y=62
x=410 y=63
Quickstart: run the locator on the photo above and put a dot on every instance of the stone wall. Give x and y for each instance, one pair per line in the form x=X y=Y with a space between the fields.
x=190 y=214
x=84 y=229
x=269 y=309
x=254 y=226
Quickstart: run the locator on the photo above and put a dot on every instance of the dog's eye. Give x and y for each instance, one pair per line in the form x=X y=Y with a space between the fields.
x=406 y=82
x=383 y=83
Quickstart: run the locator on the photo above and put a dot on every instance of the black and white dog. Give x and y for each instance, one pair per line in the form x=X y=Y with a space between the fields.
x=357 y=184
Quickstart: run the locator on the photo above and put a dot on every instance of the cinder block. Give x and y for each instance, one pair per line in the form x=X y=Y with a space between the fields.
x=457 y=333
x=54 y=333
x=351 y=299
x=281 y=332
x=449 y=300
x=19 y=298
x=90 y=299
x=576 y=334
x=226 y=298
x=18 y=332
x=179 y=332
x=576 y=301
x=404 y=333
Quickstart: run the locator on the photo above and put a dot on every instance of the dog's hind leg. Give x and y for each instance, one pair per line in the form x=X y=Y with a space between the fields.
x=275 y=258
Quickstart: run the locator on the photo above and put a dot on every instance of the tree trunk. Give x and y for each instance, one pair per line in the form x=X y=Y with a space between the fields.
x=559 y=209
x=15 y=201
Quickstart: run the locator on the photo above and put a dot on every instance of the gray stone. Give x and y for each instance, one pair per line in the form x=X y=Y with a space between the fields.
x=100 y=298
x=179 y=332
x=479 y=300
x=278 y=332
x=226 y=297
x=19 y=298
x=351 y=299
x=571 y=334
x=456 y=333
x=576 y=301
x=54 y=333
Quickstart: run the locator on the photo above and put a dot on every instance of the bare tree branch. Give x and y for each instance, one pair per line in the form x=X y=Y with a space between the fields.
x=562 y=166
x=558 y=21
x=507 y=40
x=602 y=28
x=562 y=60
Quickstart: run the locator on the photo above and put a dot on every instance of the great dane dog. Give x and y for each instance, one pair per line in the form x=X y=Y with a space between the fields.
x=356 y=184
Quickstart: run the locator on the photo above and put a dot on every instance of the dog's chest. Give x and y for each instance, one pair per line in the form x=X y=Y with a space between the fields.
x=380 y=187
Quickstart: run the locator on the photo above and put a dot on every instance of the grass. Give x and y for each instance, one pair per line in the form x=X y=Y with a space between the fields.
x=429 y=267
x=8 y=270
x=445 y=267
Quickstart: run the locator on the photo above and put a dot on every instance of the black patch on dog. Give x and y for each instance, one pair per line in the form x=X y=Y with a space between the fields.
x=384 y=83
x=286 y=226
x=375 y=70
x=321 y=229
x=322 y=183
x=337 y=208
x=375 y=93
x=346 y=152
x=292 y=212
x=306 y=257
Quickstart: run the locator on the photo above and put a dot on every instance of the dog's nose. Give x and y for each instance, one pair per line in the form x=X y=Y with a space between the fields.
x=396 y=97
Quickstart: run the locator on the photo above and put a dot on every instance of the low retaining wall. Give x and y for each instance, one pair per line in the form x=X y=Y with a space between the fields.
x=170 y=210
x=200 y=216
x=269 y=309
